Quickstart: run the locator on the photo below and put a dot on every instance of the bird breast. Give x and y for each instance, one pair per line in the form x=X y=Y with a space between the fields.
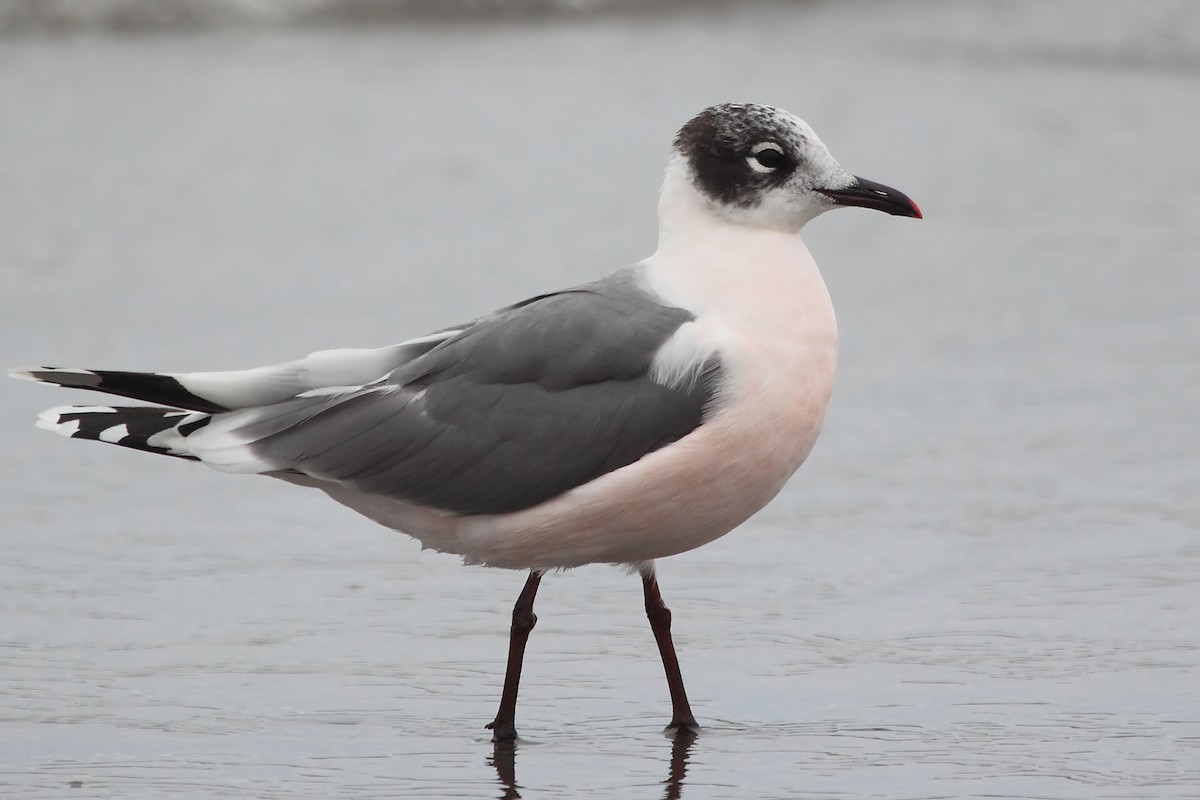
x=760 y=302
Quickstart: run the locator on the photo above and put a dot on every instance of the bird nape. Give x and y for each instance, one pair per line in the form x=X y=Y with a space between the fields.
x=625 y=420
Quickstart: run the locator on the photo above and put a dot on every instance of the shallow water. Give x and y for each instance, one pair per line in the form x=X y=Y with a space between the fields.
x=983 y=583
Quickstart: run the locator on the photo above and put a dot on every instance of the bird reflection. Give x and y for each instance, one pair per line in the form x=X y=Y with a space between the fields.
x=504 y=759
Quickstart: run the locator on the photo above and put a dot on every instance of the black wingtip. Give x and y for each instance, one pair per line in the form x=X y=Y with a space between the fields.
x=150 y=387
x=81 y=378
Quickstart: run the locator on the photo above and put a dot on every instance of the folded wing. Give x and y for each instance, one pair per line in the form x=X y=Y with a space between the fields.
x=520 y=407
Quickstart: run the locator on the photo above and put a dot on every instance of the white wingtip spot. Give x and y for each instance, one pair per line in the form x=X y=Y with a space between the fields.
x=115 y=434
x=32 y=373
x=49 y=420
x=23 y=374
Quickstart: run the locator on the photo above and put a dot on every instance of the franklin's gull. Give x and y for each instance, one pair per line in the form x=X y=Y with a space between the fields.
x=622 y=421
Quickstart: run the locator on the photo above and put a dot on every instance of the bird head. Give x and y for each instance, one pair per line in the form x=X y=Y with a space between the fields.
x=764 y=167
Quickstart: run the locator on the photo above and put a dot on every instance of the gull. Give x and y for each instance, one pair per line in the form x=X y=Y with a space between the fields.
x=621 y=421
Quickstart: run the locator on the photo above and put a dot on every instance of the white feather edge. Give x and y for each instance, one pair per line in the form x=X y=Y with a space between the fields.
x=171 y=438
x=221 y=448
x=325 y=371
x=223 y=445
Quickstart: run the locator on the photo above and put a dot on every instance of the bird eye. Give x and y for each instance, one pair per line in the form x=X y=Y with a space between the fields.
x=766 y=157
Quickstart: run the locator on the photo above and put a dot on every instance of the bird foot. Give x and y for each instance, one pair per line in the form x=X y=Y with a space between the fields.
x=682 y=727
x=502 y=731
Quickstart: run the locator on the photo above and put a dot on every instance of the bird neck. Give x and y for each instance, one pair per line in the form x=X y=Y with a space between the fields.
x=682 y=211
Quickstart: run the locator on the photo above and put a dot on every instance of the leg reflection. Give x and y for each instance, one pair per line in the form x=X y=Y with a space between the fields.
x=681 y=748
x=504 y=759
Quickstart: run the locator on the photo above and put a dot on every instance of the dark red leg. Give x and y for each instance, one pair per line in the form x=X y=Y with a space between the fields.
x=660 y=622
x=503 y=727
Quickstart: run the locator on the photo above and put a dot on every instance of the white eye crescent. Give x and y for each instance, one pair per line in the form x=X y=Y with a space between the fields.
x=766 y=157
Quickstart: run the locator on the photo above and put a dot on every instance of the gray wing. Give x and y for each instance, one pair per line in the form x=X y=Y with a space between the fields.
x=522 y=406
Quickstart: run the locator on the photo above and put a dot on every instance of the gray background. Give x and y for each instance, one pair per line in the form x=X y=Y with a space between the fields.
x=982 y=584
